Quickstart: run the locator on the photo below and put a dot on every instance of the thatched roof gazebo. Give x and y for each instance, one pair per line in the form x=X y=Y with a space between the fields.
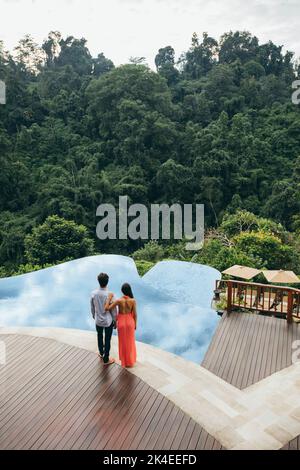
x=281 y=277
x=242 y=272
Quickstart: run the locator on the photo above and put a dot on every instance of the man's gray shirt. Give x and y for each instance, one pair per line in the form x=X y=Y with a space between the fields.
x=98 y=301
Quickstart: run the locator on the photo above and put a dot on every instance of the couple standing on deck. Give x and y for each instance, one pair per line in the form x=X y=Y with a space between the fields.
x=109 y=314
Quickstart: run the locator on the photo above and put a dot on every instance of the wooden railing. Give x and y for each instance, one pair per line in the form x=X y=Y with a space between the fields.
x=264 y=298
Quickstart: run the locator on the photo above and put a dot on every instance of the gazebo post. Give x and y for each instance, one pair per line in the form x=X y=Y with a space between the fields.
x=289 y=316
x=229 y=297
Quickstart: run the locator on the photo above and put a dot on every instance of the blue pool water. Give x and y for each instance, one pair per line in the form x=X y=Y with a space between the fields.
x=173 y=300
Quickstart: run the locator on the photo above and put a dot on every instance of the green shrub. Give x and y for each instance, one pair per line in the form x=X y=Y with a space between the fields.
x=152 y=251
x=143 y=266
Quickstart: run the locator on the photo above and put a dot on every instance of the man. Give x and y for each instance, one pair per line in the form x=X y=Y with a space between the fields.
x=105 y=321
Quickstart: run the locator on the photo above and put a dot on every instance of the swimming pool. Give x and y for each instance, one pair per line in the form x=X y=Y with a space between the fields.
x=173 y=300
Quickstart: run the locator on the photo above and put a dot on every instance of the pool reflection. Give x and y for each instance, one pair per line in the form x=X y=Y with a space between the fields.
x=173 y=300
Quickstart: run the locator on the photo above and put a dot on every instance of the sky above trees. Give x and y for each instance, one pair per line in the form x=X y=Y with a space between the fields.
x=124 y=28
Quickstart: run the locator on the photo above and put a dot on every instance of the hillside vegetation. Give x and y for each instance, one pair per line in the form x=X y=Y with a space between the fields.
x=217 y=127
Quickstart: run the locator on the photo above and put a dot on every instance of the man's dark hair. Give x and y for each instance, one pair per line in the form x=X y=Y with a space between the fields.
x=103 y=279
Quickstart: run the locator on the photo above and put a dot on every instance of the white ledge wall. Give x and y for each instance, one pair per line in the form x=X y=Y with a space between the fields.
x=264 y=416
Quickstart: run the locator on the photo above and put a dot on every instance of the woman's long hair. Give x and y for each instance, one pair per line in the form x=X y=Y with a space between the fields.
x=126 y=289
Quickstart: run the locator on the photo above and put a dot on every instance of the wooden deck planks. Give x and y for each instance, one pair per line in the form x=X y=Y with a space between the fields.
x=55 y=396
x=293 y=445
x=247 y=348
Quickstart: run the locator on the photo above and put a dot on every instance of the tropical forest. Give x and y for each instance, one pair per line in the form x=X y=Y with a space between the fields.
x=215 y=126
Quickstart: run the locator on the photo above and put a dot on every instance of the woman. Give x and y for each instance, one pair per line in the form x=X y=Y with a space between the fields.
x=126 y=325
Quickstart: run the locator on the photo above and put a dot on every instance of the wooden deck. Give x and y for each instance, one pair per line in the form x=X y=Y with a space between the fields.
x=55 y=396
x=293 y=445
x=246 y=348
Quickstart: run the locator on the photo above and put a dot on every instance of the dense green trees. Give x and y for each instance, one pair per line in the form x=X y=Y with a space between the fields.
x=57 y=240
x=216 y=127
x=242 y=238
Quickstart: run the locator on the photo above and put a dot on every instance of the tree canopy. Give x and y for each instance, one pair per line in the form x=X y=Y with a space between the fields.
x=217 y=126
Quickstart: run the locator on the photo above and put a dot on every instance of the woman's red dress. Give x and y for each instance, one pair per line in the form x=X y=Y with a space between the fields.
x=126 y=335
